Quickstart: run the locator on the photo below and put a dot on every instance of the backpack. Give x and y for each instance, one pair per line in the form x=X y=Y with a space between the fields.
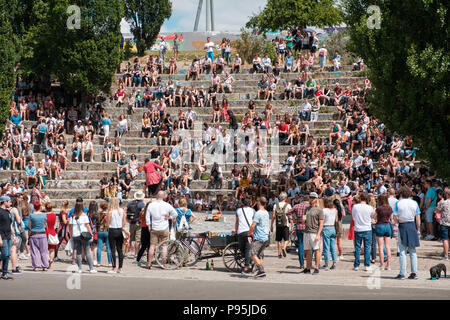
x=280 y=215
x=133 y=210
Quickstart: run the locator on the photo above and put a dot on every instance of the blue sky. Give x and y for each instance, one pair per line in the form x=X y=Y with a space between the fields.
x=230 y=15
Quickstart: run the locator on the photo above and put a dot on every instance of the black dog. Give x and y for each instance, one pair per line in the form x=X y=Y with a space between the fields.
x=435 y=272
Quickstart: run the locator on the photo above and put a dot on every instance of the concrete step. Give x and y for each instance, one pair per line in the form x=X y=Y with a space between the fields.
x=252 y=84
x=93 y=193
x=245 y=74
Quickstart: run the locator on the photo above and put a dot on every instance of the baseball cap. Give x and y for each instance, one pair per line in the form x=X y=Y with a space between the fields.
x=313 y=195
x=4 y=198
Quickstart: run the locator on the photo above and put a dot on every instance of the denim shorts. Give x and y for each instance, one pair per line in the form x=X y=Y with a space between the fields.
x=429 y=214
x=444 y=232
x=383 y=230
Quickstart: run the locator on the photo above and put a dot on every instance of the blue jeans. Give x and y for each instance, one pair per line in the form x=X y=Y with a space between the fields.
x=412 y=256
x=136 y=81
x=301 y=253
x=359 y=237
x=102 y=237
x=373 y=252
x=5 y=254
x=4 y=163
x=329 y=241
x=210 y=55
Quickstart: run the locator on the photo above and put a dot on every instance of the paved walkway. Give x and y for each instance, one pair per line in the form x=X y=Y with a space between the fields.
x=285 y=270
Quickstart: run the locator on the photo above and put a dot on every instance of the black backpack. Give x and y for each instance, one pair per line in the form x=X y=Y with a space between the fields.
x=133 y=210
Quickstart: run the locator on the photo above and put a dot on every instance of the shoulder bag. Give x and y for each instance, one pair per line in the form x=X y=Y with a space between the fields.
x=86 y=236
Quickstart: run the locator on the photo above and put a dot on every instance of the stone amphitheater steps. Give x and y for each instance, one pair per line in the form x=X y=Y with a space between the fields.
x=241 y=86
x=81 y=179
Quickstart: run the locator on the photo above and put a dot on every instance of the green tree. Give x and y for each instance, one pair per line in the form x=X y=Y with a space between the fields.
x=83 y=59
x=409 y=69
x=286 y=14
x=146 y=18
x=8 y=58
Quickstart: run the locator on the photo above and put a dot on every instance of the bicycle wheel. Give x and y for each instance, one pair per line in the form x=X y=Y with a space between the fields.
x=174 y=256
x=192 y=253
x=233 y=260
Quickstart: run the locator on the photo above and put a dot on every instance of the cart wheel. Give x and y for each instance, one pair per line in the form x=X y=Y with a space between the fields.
x=174 y=257
x=192 y=254
x=232 y=258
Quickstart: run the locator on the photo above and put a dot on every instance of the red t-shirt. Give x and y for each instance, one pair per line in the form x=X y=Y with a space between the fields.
x=283 y=127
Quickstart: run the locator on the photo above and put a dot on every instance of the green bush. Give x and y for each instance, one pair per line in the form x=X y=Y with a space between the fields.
x=250 y=45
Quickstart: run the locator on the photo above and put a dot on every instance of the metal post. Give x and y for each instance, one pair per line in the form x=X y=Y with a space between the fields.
x=208 y=16
x=212 y=15
x=199 y=11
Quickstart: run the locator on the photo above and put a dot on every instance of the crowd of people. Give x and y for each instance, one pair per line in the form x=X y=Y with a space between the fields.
x=366 y=160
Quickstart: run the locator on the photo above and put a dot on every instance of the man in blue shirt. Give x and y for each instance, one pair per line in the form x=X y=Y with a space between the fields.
x=16 y=121
x=259 y=236
x=429 y=207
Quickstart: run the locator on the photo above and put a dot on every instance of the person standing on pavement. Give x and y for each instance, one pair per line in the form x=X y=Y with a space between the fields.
x=157 y=218
x=38 y=239
x=383 y=230
x=6 y=235
x=102 y=233
x=80 y=225
x=443 y=208
x=134 y=209
x=362 y=214
x=392 y=200
x=258 y=236
x=244 y=217
x=297 y=213
x=145 y=235
x=17 y=226
x=314 y=219
x=50 y=231
x=429 y=207
x=407 y=215
x=329 y=233
x=279 y=214
x=116 y=221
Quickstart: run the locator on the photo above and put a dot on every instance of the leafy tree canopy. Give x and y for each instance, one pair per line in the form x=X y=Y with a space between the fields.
x=146 y=18
x=286 y=14
x=408 y=60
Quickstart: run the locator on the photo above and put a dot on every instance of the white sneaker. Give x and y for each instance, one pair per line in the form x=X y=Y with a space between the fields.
x=341 y=258
x=368 y=269
x=112 y=271
x=95 y=263
x=80 y=271
x=22 y=257
x=93 y=271
x=356 y=268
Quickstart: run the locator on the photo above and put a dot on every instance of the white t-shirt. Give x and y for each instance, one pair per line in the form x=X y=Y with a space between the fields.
x=362 y=216
x=249 y=213
x=406 y=210
x=392 y=201
x=330 y=216
x=257 y=60
x=82 y=221
x=267 y=61
x=159 y=210
x=323 y=52
x=209 y=46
